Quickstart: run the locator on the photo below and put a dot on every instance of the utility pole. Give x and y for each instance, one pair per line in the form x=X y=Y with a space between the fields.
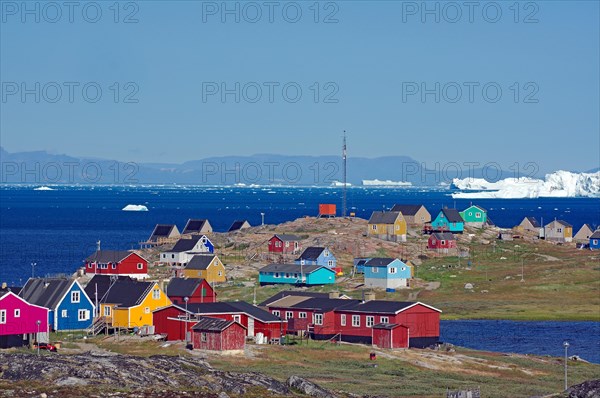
x=345 y=188
x=33 y=269
x=566 y=345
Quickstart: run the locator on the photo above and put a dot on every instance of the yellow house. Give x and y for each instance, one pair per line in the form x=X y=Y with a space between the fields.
x=388 y=225
x=129 y=303
x=206 y=266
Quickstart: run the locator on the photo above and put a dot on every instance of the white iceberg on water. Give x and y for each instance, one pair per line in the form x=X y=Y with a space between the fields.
x=135 y=208
x=560 y=184
x=386 y=183
x=43 y=188
x=336 y=183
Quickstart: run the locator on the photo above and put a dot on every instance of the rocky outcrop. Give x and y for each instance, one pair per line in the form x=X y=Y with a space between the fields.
x=309 y=388
x=587 y=389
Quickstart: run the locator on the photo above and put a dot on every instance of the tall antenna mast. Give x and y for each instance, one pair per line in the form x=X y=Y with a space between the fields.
x=344 y=202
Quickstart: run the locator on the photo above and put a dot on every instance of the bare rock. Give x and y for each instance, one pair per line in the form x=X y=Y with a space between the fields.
x=309 y=388
x=587 y=389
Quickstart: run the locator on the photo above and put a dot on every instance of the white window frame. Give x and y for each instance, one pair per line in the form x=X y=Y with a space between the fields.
x=318 y=319
x=140 y=265
x=276 y=313
x=106 y=310
x=63 y=314
x=374 y=270
x=478 y=215
x=276 y=275
x=343 y=319
x=146 y=310
x=203 y=337
x=90 y=265
x=75 y=296
x=302 y=315
x=326 y=254
x=384 y=319
x=330 y=263
x=287 y=244
x=237 y=318
x=289 y=315
x=83 y=315
x=370 y=321
x=17 y=313
x=356 y=321
x=2 y=317
x=374 y=227
x=156 y=293
x=114 y=265
x=393 y=270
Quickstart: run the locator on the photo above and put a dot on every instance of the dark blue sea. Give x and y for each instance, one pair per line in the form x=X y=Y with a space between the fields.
x=57 y=229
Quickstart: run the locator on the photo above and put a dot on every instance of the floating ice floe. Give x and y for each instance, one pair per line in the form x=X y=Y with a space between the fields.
x=135 y=208
x=386 y=183
x=43 y=188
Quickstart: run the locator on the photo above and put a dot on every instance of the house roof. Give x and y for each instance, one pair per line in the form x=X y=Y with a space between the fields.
x=162 y=230
x=489 y=222
x=231 y=307
x=325 y=304
x=200 y=261
x=237 y=225
x=254 y=311
x=311 y=253
x=45 y=292
x=184 y=245
x=452 y=215
x=286 y=293
x=443 y=236
x=385 y=307
x=585 y=228
x=212 y=324
x=379 y=261
x=287 y=237
x=407 y=210
x=287 y=301
x=595 y=235
x=384 y=217
x=194 y=225
x=387 y=326
x=533 y=222
x=102 y=284
x=127 y=293
x=183 y=287
x=477 y=206
x=108 y=256
x=306 y=269
x=562 y=222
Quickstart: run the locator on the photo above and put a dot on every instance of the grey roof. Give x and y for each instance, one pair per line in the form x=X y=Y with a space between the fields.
x=479 y=207
x=212 y=324
x=533 y=222
x=286 y=293
x=380 y=306
x=379 y=262
x=127 y=293
x=564 y=223
x=200 y=261
x=183 y=287
x=384 y=217
x=162 y=230
x=232 y=307
x=237 y=225
x=306 y=269
x=288 y=237
x=443 y=235
x=325 y=304
x=595 y=235
x=311 y=253
x=452 y=215
x=387 y=326
x=108 y=256
x=256 y=312
x=407 y=210
x=184 y=245
x=45 y=292
x=194 y=225
x=101 y=284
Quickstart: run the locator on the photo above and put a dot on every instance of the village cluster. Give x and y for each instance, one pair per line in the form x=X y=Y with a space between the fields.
x=121 y=296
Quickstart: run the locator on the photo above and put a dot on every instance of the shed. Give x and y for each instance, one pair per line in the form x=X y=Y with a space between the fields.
x=327 y=210
x=238 y=225
x=595 y=240
x=390 y=335
x=197 y=226
x=584 y=233
x=218 y=335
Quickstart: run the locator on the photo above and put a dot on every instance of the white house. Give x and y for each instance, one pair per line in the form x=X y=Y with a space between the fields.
x=185 y=249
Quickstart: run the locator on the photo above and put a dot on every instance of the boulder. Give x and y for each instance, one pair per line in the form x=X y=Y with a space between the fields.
x=309 y=388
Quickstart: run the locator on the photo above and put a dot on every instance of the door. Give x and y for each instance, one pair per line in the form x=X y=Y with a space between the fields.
x=250 y=327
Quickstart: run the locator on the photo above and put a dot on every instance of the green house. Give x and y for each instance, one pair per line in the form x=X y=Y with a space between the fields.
x=474 y=215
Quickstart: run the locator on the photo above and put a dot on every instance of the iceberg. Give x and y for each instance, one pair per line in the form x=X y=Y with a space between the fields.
x=560 y=184
x=43 y=188
x=135 y=208
x=386 y=183
x=337 y=183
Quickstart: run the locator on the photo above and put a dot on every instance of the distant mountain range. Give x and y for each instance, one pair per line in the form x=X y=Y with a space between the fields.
x=41 y=167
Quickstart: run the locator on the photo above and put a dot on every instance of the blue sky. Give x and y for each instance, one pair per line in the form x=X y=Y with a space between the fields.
x=368 y=65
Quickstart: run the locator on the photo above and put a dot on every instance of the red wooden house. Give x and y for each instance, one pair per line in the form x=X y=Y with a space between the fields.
x=113 y=262
x=172 y=320
x=390 y=335
x=197 y=290
x=285 y=244
x=441 y=242
x=218 y=335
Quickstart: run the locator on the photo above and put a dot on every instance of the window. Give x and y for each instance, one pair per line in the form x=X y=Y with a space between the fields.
x=237 y=318
x=75 y=297
x=356 y=320
x=374 y=270
x=295 y=245
x=326 y=253
x=287 y=275
x=140 y=266
x=374 y=227
x=397 y=227
x=146 y=310
x=558 y=229
x=330 y=263
x=17 y=313
x=276 y=274
x=106 y=310
x=384 y=319
x=63 y=314
x=443 y=242
x=343 y=319
x=289 y=315
x=220 y=273
x=302 y=262
x=278 y=244
x=156 y=293
x=302 y=315
x=370 y=321
x=287 y=244
x=318 y=319
x=403 y=268
x=83 y=315
x=276 y=312
x=470 y=213
x=478 y=215
x=103 y=266
x=2 y=316
x=90 y=265
x=203 y=337
x=295 y=276
x=164 y=255
x=172 y=256
x=114 y=265
x=393 y=270
x=595 y=241
x=433 y=241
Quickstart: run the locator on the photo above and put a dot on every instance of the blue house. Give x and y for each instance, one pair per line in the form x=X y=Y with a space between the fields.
x=386 y=273
x=448 y=220
x=359 y=264
x=295 y=274
x=314 y=255
x=595 y=240
x=69 y=306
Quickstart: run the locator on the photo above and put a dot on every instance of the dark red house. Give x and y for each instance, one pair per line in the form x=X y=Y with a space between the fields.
x=218 y=335
x=172 y=320
x=390 y=335
x=285 y=244
x=441 y=241
x=113 y=262
x=197 y=290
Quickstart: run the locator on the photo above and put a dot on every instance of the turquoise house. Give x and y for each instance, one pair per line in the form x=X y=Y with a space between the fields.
x=474 y=215
x=295 y=274
x=387 y=273
x=448 y=220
